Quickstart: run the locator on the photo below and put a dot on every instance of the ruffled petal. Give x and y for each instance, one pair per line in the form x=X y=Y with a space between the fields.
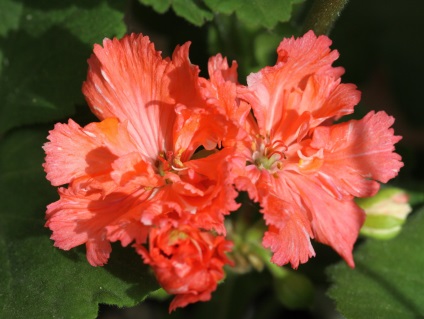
x=204 y=193
x=324 y=97
x=129 y=80
x=357 y=154
x=83 y=215
x=188 y=262
x=289 y=232
x=220 y=71
x=131 y=168
x=184 y=83
x=219 y=194
x=195 y=128
x=221 y=93
x=334 y=222
x=302 y=80
x=74 y=151
x=306 y=55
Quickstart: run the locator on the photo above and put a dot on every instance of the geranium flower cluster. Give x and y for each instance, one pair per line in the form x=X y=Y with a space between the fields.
x=163 y=167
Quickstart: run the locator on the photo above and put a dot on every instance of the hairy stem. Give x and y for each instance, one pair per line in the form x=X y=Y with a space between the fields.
x=322 y=15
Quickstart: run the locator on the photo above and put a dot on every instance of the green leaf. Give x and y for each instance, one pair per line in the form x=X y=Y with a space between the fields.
x=10 y=13
x=43 y=61
x=39 y=281
x=388 y=279
x=191 y=12
x=266 y=13
x=160 y=6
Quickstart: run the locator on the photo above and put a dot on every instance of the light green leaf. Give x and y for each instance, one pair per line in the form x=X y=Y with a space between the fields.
x=43 y=62
x=39 y=281
x=388 y=279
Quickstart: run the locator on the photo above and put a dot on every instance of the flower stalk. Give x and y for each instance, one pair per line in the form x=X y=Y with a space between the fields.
x=322 y=15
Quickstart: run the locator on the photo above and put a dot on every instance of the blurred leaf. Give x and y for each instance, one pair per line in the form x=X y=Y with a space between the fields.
x=190 y=10
x=10 y=13
x=43 y=61
x=265 y=45
x=388 y=279
x=39 y=281
x=160 y=6
x=294 y=291
x=251 y=46
x=265 y=13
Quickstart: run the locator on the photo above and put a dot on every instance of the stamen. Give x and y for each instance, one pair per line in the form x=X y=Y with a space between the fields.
x=270 y=154
x=179 y=169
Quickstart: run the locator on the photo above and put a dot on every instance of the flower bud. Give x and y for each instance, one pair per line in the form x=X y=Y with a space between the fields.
x=386 y=213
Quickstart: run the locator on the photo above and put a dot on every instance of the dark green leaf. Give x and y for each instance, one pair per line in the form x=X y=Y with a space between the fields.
x=266 y=13
x=388 y=279
x=191 y=12
x=39 y=281
x=44 y=59
x=187 y=9
x=159 y=6
x=10 y=13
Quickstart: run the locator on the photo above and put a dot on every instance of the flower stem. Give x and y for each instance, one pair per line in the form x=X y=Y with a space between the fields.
x=265 y=255
x=322 y=15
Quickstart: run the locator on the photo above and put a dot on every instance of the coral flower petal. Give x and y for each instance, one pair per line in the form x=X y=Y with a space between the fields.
x=187 y=261
x=289 y=237
x=304 y=171
x=129 y=80
x=74 y=151
x=334 y=222
x=357 y=153
x=83 y=215
x=303 y=80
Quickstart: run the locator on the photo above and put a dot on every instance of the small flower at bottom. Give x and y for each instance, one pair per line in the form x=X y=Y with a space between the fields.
x=188 y=262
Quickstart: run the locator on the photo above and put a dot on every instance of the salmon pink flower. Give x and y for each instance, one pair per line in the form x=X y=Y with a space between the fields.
x=303 y=169
x=188 y=262
x=151 y=157
x=220 y=92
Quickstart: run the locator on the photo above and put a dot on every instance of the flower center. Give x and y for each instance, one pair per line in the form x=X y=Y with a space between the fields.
x=168 y=162
x=267 y=154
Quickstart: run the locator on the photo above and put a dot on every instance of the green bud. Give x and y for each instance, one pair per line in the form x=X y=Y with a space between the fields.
x=386 y=213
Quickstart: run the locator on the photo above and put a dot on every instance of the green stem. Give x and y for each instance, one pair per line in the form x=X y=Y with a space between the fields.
x=276 y=271
x=322 y=15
